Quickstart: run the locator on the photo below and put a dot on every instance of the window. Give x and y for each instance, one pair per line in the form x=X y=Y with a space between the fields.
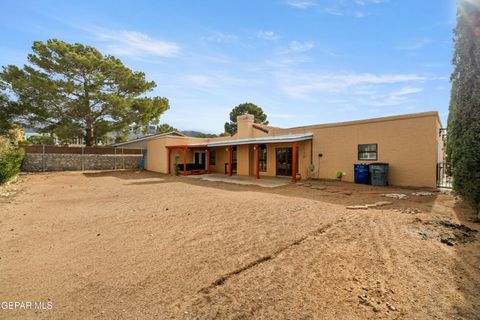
x=212 y=158
x=262 y=157
x=367 y=151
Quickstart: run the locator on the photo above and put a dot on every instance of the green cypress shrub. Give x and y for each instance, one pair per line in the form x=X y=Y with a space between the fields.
x=463 y=139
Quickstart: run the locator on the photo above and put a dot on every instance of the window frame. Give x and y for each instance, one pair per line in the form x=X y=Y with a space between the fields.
x=213 y=157
x=359 y=152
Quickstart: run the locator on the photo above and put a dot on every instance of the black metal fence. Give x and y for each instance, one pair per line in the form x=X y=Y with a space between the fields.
x=444 y=180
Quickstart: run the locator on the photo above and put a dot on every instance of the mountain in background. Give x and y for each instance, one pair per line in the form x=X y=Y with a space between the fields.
x=198 y=134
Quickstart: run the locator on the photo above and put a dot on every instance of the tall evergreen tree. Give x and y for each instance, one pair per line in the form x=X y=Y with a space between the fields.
x=245 y=108
x=463 y=140
x=72 y=89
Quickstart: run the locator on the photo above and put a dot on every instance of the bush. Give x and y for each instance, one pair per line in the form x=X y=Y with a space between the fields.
x=10 y=160
x=339 y=175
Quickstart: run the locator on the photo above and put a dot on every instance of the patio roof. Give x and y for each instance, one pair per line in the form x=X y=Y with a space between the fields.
x=262 y=140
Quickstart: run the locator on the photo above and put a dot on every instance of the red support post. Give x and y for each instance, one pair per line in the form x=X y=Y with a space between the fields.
x=185 y=160
x=169 y=160
x=208 y=161
x=230 y=161
x=257 y=166
x=294 y=162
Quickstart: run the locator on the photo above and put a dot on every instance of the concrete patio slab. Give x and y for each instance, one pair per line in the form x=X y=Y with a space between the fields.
x=266 y=182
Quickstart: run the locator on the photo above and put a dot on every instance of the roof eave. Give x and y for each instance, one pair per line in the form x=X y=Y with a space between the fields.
x=262 y=140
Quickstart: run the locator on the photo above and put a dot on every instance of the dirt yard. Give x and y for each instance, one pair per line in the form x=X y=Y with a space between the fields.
x=129 y=245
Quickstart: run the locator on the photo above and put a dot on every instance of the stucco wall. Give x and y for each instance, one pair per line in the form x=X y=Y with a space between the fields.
x=157 y=155
x=408 y=144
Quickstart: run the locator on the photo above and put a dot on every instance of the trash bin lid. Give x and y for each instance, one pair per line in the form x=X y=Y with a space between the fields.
x=379 y=164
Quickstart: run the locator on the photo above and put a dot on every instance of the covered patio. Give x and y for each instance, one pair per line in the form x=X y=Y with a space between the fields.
x=242 y=154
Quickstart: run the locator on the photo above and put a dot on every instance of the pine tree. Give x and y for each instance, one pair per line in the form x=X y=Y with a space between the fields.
x=463 y=140
x=245 y=108
x=72 y=90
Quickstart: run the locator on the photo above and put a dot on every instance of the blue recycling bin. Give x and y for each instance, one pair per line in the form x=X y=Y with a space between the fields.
x=361 y=173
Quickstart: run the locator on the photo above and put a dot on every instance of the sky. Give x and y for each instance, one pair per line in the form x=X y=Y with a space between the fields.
x=302 y=61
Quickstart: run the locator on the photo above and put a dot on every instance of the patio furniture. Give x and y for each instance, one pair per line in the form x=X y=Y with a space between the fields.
x=192 y=168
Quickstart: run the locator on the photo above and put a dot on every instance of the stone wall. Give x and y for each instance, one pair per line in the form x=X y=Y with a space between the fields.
x=35 y=162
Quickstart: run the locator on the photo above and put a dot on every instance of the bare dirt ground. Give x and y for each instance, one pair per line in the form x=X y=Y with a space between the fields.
x=128 y=245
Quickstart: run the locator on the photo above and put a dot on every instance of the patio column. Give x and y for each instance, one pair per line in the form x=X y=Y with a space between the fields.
x=208 y=161
x=169 y=161
x=257 y=165
x=230 y=160
x=294 y=162
x=185 y=160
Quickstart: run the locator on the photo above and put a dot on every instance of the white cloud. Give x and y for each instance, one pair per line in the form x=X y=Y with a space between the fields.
x=406 y=91
x=366 y=2
x=200 y=80
x=282 y=61
x=296 y=46
x=359 y=14
x=133 y=43
x=334 y=11
x=221 y=37
x=216 y=79
x=267 y=35
x=350 y=8
x=304 y=85
x=414 y=45
x=299 y=4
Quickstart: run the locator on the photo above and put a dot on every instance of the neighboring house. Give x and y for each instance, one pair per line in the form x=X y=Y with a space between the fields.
x=141 y=143
x=411 y=144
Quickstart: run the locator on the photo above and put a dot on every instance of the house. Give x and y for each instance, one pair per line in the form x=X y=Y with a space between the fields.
x=141 y=142
x=411 y=144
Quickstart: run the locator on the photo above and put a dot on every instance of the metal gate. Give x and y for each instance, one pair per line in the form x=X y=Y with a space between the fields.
x=443 y=179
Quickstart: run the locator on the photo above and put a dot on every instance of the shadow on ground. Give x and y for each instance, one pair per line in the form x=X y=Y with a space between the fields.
x=468 y=262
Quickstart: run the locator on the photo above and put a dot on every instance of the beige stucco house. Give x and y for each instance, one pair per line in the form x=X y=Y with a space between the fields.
x=411 y=144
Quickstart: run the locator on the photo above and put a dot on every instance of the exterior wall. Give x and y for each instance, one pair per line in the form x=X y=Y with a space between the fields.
x=243 y=160
x=408 y=143
x=157 y=155
x=303 y=153
x=221 y=157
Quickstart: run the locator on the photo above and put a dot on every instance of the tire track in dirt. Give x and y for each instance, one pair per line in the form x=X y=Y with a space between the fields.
x=317 y=232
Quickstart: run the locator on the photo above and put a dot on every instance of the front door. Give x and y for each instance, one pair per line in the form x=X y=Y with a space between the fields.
x=200 y=159
x=284 y=161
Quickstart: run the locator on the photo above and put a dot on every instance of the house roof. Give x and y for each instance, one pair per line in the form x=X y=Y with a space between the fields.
x=170 y=133
x=371 y=120
x=261 y=140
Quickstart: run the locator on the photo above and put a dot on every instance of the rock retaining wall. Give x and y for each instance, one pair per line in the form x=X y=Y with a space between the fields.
x=35 y=162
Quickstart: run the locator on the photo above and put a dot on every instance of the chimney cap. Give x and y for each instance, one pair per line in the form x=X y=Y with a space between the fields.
x=246 y=116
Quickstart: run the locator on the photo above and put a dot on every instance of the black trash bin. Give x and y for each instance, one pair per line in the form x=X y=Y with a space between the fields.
x=379 y=173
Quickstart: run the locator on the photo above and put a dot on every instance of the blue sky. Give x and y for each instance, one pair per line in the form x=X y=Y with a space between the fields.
x=302 y=61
